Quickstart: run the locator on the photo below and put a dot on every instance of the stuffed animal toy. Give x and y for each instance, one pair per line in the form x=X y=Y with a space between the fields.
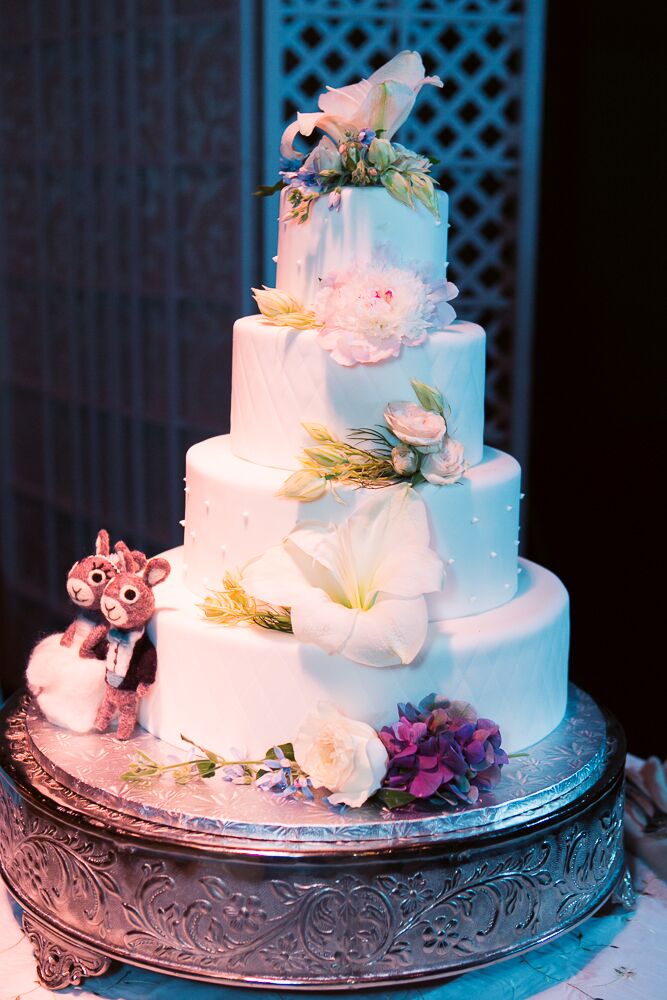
x=85 y=585
x=131 y=660
x=65 y=674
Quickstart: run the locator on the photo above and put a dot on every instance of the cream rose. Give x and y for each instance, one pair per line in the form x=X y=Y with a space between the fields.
x=423 y=429
x=446 y=466
x=337 y=753
x=404 y=460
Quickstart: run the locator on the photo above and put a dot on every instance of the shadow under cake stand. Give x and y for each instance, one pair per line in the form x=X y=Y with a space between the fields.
x=225 y=883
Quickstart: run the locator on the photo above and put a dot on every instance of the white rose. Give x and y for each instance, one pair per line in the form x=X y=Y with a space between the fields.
x=423 y=429
x=404 y=460
x=446 y=466
x=337 y=753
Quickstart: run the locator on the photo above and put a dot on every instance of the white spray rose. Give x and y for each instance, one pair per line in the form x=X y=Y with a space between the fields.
x=446 y=466
x=340 y=754
x=404 y=460
x=423 y=429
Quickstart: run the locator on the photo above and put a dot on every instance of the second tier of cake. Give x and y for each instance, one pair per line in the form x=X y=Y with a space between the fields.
x=232 y=514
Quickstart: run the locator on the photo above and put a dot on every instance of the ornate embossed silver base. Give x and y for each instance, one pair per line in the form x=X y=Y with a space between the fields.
x=228 y=884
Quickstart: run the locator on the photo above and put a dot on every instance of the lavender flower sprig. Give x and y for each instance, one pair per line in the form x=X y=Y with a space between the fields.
x=277 y=771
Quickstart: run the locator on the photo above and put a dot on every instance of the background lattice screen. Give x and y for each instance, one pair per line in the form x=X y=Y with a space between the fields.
x=130 y=142
x=483 y=127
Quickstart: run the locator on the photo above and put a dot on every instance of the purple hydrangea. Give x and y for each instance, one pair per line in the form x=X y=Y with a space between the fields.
x=440 y=748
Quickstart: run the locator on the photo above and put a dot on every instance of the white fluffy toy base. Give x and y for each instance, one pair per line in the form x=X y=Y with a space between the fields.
x=67 y=687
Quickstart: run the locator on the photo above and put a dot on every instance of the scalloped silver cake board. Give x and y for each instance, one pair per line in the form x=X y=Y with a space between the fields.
x=229 y=884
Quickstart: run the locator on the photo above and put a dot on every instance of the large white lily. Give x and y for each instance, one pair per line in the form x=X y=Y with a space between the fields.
x=356 y=588
x=382 y=102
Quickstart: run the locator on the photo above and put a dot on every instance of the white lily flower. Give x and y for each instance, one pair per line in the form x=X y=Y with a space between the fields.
x=356 y=588
x=381 y=103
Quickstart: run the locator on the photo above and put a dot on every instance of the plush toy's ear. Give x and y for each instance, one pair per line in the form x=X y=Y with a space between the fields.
x=139 y=559
x=155 y=571
x=102 y=546
x=125 y=560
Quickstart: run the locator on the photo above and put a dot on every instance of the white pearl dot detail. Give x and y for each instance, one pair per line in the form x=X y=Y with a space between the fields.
x=493 y=555
x=207 y=505
x=473 y=598
x=519 y=570
x=223 y=550
x=509 y=507
x=186 y=490
x=521 y=496
x=182 y=524
x=193 y=534
x=245 y=515
x=507 y=586
x=474 y=520
x=275 y=259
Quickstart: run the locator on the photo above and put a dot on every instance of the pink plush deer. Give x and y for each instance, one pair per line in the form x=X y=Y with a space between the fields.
x=131 y=660
x=85 y=585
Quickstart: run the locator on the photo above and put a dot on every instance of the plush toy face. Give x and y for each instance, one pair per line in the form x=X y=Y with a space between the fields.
x=88 y=577
x=128 y=601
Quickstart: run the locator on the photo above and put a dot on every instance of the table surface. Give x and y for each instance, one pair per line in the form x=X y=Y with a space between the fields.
x=613 y=957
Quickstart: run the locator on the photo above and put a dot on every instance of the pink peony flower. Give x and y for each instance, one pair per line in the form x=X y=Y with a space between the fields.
x=367 y=313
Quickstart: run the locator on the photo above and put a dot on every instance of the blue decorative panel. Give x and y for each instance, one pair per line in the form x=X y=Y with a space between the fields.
x=127 y=242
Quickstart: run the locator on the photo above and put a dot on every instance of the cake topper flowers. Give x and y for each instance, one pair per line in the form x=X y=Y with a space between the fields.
x=413 y=447
x=358 y=122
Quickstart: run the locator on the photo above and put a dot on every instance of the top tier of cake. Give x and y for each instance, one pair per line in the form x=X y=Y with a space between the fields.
x=368 y=224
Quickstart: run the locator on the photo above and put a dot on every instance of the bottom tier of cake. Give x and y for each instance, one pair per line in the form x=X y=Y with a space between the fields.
x=246 y=689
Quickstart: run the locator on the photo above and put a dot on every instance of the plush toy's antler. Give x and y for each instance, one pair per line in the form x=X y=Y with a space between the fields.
x=126 y=559
x=102 y=544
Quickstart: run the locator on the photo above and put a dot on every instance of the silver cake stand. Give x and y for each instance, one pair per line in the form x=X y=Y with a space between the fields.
x=225 y=883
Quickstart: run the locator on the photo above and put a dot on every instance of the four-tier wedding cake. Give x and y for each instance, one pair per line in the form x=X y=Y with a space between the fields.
x=352 y=542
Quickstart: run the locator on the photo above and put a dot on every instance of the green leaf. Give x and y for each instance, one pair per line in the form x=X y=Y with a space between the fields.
x=287 y=751
x=433 y=160
x=394 y=798
x=429 y=397
x=266 y=190
x=206 y=768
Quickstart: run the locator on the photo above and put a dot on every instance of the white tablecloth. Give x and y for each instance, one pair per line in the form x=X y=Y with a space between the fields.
x=615 y=957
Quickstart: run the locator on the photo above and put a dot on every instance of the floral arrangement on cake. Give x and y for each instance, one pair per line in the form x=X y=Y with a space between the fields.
x=356 y=588
x=413 y=446
x=438 y=752
x=367 y=312
x=358 y=122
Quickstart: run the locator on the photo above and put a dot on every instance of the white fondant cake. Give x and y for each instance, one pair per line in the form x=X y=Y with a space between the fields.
x=359 y=320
